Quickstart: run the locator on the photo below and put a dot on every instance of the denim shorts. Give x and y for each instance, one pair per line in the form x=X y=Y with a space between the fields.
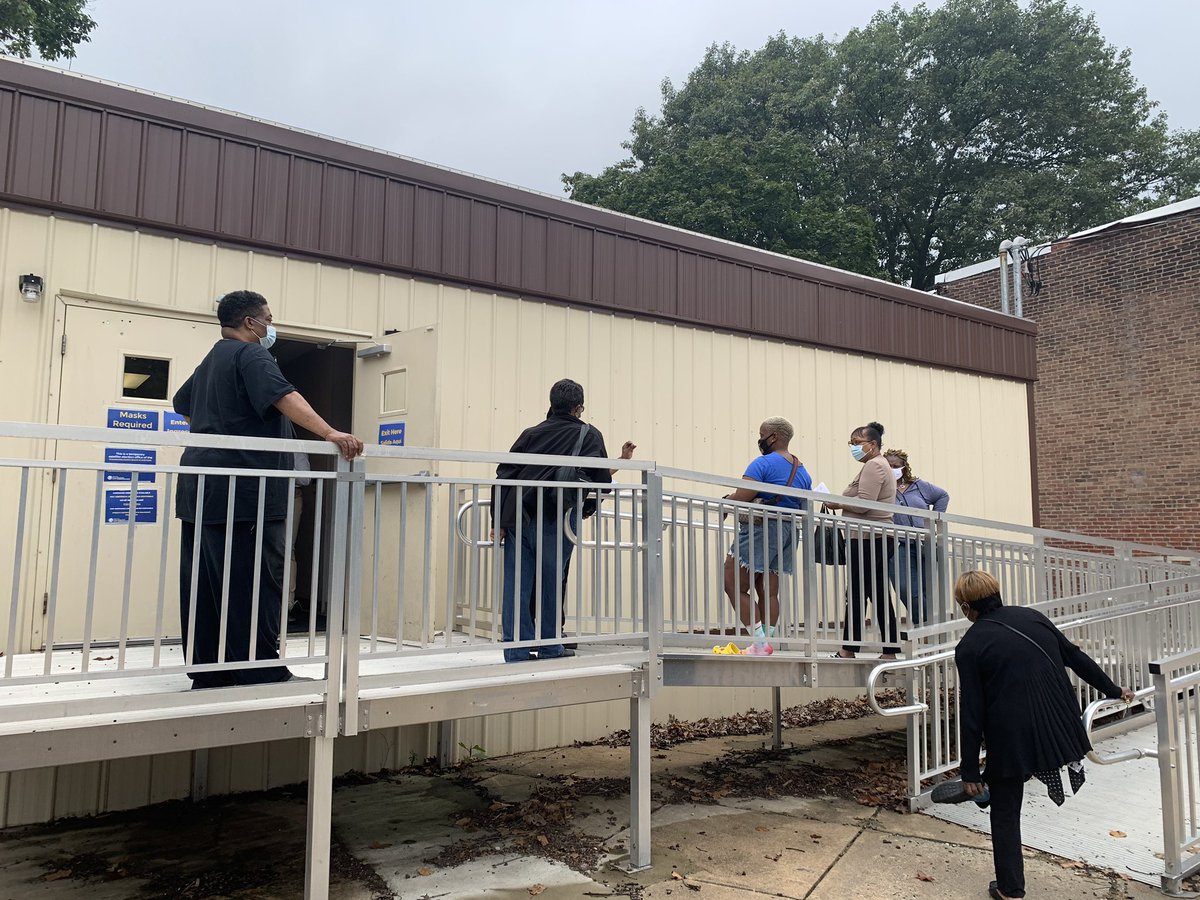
x=774 y=547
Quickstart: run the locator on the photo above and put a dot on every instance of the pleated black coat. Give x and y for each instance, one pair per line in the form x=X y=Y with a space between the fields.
x=1015 y=701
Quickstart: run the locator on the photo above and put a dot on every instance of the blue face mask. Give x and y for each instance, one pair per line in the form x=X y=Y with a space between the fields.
x=857 y=452
x=267 y=340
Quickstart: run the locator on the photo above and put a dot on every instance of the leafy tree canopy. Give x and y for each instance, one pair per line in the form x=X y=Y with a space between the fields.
x=912 y=146
x=54 y=27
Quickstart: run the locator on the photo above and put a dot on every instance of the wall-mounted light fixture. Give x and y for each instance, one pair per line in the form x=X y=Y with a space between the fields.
x=31 y=287
x=373 y=350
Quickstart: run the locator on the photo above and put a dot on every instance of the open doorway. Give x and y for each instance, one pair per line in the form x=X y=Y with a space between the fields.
x=324 y=374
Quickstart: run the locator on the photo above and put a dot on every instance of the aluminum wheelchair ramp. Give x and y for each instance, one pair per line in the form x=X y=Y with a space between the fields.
x=1114 y=822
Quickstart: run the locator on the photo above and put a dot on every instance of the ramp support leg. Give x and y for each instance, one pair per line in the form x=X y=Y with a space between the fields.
x=776 y=719
x=320 y=818
x=639 y=783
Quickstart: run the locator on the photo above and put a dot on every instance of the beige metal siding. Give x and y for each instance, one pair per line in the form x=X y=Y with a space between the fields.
x=689 y=397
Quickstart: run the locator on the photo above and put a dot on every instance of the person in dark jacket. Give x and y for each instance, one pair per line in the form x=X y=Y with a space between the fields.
x=1014 y=698
x=238 y=390
x=527 y=518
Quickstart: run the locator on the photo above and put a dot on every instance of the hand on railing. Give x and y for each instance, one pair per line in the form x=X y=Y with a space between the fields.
x=1107 y=705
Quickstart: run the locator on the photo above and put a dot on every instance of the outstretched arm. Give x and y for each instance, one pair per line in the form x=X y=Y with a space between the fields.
x=296 y=408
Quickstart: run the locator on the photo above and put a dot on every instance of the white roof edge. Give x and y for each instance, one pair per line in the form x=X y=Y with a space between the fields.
x=1150 y=215
x=562 y=199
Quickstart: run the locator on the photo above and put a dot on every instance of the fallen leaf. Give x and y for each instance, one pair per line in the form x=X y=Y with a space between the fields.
x=921 y=876
x=762 y=828
x=495 y=807
x=1117 y=834
x=101 y=658
x=378 y=845
x=464 y=822
x=59 y=875
x=543 y=840
x=690 y=886
x=424 y=871
x=536 y=889
x=675 y=876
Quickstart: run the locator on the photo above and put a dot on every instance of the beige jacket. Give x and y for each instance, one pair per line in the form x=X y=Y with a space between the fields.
x=875 y=482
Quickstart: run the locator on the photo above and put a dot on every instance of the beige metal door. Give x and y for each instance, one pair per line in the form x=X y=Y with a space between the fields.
x=395 y=400
x=119 y=369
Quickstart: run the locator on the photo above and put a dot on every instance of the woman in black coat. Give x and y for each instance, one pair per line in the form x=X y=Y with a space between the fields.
x=1014 y=698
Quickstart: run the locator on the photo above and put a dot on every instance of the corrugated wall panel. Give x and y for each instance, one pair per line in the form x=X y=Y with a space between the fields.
x=202 y=167
x=483 y=241
x=625 y=272
x=533 y=254
x=456 y=237
x=509 y=223
x=558 y=258
x=583 y=248
x=427 y=234
x=271 y=195
x=304 y=203
x=337 y=211
x=399 y=207
x=7 y=109
x=604 y=269
x=369 y=194
x=121 y=162
x=161 y=173
x=79 y=156
x=235 y=204
x=35 y=133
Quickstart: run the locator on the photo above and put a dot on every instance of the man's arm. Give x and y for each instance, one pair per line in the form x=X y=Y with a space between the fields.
x=296 y=408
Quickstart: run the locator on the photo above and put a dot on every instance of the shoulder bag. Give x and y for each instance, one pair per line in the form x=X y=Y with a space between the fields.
x=745 y=515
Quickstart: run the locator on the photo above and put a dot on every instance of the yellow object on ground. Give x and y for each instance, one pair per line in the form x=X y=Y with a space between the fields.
x=727 y=650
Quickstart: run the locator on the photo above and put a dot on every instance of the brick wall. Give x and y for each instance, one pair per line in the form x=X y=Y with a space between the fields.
x=1117 y=402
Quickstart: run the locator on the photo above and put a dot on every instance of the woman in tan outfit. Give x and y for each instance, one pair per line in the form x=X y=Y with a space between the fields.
x=867 y=553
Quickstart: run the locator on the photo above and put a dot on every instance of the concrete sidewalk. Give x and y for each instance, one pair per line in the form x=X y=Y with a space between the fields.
x=732 y=821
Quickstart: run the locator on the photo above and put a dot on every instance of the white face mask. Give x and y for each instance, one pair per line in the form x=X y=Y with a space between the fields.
x=268 y=340
x=899 y=473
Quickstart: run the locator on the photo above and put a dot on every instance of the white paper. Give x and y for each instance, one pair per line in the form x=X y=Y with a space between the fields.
x=822 y=489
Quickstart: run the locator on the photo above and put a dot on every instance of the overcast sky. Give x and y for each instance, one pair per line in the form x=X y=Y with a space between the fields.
x=518 y=91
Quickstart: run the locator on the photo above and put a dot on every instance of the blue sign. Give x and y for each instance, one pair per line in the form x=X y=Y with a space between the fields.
x=130 y=456
x=133 y=419
x=116 y=507
x=392 y=434
x=174 y=422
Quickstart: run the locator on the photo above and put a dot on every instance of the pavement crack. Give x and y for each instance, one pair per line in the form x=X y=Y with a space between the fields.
x=837 y=859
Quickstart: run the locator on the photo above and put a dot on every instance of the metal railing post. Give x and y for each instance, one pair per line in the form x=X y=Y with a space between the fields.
x=652 y=574
x=808 y=559
x=335 y=622
x=1168 y=775
x=356 y=487
x=941 y=565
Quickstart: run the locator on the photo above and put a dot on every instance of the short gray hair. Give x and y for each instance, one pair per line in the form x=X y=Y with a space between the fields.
x=780 y=425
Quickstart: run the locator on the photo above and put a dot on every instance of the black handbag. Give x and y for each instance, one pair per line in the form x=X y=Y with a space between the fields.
x=829 y=548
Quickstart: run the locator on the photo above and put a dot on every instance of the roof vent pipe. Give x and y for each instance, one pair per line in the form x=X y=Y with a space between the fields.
x=1018 y=265
x=1005 y=246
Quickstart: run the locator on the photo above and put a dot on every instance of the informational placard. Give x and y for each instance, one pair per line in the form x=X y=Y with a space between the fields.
x=116 y=507
x=130 y=456
x=391 y=434
x=133 y=419
x=174 y=422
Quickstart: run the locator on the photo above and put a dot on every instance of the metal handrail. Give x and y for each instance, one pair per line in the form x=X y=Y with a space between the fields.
x=1106 y=705
x=893 y=665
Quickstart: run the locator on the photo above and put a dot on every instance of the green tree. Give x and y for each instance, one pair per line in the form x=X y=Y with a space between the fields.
x=54 y=27
x=913 y=145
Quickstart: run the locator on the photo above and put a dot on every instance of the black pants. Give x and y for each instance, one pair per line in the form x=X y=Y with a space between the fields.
x=867 y=569
x=242 y=576
x=1007 y=795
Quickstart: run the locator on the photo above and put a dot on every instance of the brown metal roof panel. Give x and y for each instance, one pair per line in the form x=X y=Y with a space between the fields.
x=369 y=192
x=271 y=195
x=724 y=294
x=79 y=156
x=625 y=273
x=533 y=254
x=201 y=169
x=483 y=241
x=337 y=211
x=456 y=236
x=303 y=215
x=8 y=103
x=161 y=174
x=427 y=229
x=558 y=258
x=508 y=247
x=235 y=204
x=830 y=319
x=398 y=223
x=583 y=248
x=121 y=164
x=658 y=277
x=604 y=269
x=31 y=169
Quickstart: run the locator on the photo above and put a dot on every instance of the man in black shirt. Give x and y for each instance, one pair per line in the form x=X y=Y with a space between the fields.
x=562 y=433
x=238 y=390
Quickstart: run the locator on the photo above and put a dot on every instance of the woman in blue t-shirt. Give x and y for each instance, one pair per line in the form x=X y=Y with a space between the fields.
x=771 y=538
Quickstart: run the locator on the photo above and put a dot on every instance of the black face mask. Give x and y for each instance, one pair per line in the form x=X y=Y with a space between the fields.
x=764 y=445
